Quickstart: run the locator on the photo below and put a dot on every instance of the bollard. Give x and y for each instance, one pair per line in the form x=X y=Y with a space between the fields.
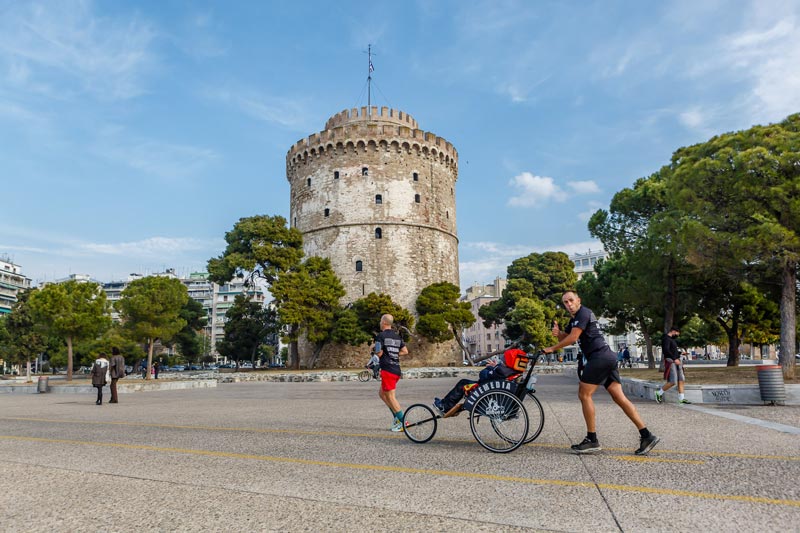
x=42 y=385
x=770 y=383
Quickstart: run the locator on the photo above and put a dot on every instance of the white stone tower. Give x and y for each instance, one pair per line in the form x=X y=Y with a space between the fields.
x=376 y=195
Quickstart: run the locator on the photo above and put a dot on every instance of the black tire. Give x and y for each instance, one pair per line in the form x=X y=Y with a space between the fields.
x=535 y=416
x=499 y=421
x=364 y=375
x=420 y=423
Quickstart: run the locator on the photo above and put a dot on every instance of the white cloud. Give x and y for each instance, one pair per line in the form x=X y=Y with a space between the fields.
x=583 y=187
x=150 y=247
x=539 y=190
x=287 y=112
x=535 y=190
x=99 y=55
x=162 y=159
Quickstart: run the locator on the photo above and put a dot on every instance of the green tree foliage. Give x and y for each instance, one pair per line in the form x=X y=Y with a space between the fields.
x=20 y=340
x=247 y=326
x=72 y=311
x=189 y=339
x=372 y=307
x=531 y=299
x=308 y=303
x=741 y=192
x=150 y=309
x=441 y=315
x=259 y=246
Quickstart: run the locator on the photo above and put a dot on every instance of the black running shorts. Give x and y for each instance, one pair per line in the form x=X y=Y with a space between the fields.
x=601 y=369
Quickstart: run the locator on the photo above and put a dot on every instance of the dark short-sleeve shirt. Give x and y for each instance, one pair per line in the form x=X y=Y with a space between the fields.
x=591 y=340
x=669 y=347
x=391 y=344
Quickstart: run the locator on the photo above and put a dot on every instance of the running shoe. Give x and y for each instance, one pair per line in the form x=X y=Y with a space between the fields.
x=646 y=444
x=397 y=426
x=437 y=403
x=586 y=446
x=684 y=401
x=659 y=397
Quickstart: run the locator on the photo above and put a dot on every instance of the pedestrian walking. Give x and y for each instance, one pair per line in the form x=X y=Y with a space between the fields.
x=600 y=369
x=389 y=346
x=100 y=376
x=117 y=371
x=673 y=367
x=156 y=368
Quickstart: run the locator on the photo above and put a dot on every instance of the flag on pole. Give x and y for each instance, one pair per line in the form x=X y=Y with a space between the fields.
x=371 y=68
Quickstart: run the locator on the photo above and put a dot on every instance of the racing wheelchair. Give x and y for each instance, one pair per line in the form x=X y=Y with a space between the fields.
x=504 y=414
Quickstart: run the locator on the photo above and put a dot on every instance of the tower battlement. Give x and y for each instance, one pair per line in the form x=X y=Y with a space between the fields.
x=365 y=114
x=355 y=129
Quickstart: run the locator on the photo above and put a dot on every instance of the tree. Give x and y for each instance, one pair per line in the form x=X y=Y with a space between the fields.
x=372 y=307
x=20 y=342
x=72 y=311
x=742 y=194
x=441 y=315
x=308 y=303
x=531 y=299
x=150 y=310
x=189 y=342
x=247 y=326
x=259 y=246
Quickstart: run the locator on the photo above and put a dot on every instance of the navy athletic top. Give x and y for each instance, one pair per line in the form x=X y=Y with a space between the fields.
x=591 y=341
x=391 y=344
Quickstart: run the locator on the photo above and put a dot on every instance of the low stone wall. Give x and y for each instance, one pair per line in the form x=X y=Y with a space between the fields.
x=123 y=386
x=720 y=394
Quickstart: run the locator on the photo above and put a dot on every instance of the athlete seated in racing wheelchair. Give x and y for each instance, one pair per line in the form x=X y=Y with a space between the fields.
x=503 y=370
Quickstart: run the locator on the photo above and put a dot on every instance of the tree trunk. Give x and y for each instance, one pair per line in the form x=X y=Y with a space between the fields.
x=294 y=356
x=671 y=299
x=788 y=319
x=69 y=359
x=648 y=343
x=315 y=355
x=150 y=346
x=460 y=342
x=733 y=344
x=28 y=371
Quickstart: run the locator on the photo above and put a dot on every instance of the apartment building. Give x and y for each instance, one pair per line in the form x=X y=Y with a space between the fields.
x=11 y=282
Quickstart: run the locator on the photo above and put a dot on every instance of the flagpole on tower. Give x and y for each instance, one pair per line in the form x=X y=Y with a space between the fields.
x=369 y=80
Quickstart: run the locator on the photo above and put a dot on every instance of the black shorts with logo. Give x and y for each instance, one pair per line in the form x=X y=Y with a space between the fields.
x=601 y=369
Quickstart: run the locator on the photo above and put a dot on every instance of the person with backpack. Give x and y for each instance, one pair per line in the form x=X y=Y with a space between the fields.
x=100 y=376
x=117 y=371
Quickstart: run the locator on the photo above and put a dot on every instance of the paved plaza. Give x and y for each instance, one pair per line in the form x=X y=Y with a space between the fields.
x=318 y=456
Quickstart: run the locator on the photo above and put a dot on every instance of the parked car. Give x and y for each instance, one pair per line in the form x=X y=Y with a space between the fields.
x=212 y=367
x=193 y=367
x=177 y=368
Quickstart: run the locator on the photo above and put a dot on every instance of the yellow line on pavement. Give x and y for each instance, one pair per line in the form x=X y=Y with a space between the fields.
x=636 y=459
x=420 y=471
x=380 y=436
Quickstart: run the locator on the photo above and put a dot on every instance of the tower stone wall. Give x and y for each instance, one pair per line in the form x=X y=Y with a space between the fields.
x=374 y=192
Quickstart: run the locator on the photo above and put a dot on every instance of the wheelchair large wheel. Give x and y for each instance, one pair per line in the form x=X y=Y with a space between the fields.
x=535 y=416
x=420 y=423
x=499 y=421
x=364 y=375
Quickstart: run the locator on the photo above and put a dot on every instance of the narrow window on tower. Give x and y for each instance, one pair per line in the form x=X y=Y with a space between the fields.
x=295 y=222
x=416 y=176
x=364 y=171
x=359 y=266
x=327 y=212
x=336 y=174
x=446 y=213
x=378 y=233
x=416 y=198
x=308 y=181
x=378 y=199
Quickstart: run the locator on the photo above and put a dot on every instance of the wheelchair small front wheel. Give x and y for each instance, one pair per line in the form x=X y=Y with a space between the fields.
x=420 y=423
x=364 y=375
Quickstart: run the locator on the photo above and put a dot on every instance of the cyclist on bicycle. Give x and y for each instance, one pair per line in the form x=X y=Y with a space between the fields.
x=374 y=365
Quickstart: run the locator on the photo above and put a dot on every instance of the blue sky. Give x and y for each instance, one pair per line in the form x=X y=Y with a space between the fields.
x=133 y=135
